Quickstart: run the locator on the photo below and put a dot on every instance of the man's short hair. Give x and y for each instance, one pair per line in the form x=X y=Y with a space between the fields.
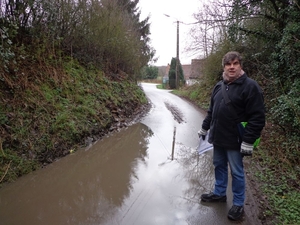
x=230 y=56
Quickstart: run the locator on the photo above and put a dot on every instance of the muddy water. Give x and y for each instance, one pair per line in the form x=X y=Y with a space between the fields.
x=130 y=177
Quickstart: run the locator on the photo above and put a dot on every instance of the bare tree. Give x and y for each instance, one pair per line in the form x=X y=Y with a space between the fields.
x=211 y=27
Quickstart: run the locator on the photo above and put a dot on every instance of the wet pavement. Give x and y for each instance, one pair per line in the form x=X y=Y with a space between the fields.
x=148 y=173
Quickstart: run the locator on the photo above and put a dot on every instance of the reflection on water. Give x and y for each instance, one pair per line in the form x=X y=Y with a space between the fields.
x=128 y=178
x=198 y=171
x=198 y=176
x=84 y=188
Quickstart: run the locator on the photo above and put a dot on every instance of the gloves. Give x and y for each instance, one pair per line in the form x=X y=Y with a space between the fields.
x=202 y=133
x=246 y=149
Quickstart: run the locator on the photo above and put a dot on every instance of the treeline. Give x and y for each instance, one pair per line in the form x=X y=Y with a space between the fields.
x=106 y=34
x=267 y=33
x=67 y=76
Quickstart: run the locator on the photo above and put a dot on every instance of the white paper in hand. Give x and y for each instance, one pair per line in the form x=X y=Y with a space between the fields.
x=204 y=145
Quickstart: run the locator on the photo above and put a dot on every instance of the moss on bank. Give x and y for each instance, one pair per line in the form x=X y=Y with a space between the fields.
x=59 y=111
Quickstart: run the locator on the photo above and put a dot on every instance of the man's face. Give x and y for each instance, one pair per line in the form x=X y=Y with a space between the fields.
x=233 y=69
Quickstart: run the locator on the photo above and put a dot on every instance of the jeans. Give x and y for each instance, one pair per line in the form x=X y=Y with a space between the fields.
x=221 y=158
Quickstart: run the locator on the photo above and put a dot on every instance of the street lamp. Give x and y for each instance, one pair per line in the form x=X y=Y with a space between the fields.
x=177 y=54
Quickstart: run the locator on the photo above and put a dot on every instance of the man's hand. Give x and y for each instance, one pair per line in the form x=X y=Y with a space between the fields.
x=202 y=133
x=246 y=149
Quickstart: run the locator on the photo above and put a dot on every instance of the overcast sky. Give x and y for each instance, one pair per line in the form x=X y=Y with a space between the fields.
x=163 y=29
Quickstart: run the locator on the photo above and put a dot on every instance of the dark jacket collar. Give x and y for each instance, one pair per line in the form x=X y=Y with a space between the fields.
x=240 y=80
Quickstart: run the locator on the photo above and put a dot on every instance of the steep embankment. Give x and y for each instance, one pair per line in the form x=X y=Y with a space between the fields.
x=61 y=109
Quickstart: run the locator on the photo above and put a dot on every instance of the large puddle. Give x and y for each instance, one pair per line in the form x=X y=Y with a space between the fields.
x=126 y=178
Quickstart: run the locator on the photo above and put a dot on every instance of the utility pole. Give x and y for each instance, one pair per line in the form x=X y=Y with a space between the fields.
x=177 y=58
x=177 y=78
x=177 y=55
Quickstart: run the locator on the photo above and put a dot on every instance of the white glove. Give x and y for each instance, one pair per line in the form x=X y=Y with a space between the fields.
x=202 y=133
x=246 y=149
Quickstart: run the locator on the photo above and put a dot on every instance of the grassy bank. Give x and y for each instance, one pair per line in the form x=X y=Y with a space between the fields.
x=60 y=111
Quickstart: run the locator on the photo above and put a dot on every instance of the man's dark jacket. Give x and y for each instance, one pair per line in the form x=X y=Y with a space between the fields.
x=247 y=101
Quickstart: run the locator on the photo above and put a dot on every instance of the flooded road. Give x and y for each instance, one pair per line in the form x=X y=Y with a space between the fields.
x=149 y=173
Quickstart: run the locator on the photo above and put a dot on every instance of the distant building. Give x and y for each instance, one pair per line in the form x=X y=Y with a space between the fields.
x=196 y=68
x=190 y=71
x=193 y=70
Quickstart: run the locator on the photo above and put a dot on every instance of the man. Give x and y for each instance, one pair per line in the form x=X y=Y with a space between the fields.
x=223 y=120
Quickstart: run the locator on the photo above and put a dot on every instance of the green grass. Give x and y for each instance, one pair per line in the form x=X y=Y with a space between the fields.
x=279 y=181
x=51 y=117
